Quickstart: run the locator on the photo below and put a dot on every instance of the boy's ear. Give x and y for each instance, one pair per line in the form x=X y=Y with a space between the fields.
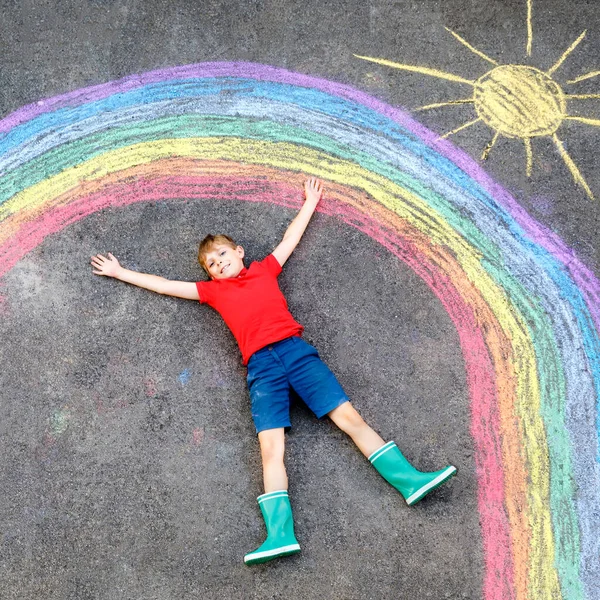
x=240 y=251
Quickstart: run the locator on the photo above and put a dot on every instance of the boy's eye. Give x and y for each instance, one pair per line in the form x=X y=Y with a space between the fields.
x=222 y=252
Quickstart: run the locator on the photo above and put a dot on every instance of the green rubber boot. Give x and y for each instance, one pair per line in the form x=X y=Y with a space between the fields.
x=281 y=541
x=412 y=484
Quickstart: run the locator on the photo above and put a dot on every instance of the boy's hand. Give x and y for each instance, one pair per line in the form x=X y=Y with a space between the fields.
x=313 y=190
x=107 y=266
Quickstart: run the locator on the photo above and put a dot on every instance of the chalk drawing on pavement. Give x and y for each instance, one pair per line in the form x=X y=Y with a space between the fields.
x=59 y=421
x=526 y=309
x=515 y=101
x=184 y=377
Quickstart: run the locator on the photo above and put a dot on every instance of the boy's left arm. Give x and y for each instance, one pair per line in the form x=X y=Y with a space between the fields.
x=313 y=189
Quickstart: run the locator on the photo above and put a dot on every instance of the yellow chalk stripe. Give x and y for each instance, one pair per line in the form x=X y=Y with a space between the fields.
x=566 y=53
x=471 y=48
x=535 y=516
x=441 y=104
x=584 y=77
x=581 y=96
x=460 y=128
x=577 y=176
x=529 y=154
x=529 y=26
x=414 y=69
x=488 y=148
x=587 y=121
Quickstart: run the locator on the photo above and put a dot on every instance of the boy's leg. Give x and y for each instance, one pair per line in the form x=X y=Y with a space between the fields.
x=318 y=387
x=272 y=448
x=274 y=503
x=349 y=421
x=387 y=458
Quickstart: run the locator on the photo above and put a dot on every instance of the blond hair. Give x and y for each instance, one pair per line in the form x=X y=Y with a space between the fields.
x=209 y=242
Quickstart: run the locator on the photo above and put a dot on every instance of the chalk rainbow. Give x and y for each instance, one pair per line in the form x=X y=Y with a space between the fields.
x=527 y=311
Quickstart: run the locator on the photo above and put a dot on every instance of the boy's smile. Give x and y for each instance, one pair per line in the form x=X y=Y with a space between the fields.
x=224 y=262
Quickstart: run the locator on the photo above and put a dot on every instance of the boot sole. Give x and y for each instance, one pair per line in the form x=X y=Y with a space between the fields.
x=261 y=557
x=432 y=485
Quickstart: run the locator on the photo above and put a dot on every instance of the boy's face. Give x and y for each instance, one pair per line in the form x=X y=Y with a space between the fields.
x=224 y=262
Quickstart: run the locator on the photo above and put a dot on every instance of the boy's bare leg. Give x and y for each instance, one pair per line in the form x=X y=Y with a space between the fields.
x=349 y=421
x=274 y=503
x=389 y=461
x=272 y=447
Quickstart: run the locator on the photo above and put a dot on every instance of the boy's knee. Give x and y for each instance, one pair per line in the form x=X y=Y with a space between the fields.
x=272 y=445
x=271 y=453
x=347 y=418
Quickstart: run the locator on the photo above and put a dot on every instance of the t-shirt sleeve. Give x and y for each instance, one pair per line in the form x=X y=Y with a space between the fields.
x=205 y=291
x=272 y=265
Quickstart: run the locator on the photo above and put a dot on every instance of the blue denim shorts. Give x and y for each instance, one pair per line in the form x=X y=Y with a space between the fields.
x=291 y=363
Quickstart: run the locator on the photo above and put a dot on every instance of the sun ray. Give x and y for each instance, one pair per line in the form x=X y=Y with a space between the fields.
x=566 y=53
x=464 y=126
x=414 y=69
x=529 y=155
x=487 y=149
x=577 y=176
x=529 y=26
x=471 y=48
x=594 y=122
x=584 y=77
x=581 y=96
x=440 y=104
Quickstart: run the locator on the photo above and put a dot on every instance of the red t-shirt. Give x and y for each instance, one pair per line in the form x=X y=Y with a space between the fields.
x=252 y=306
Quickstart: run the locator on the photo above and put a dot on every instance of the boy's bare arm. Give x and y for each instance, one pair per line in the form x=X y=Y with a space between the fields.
x=109 y=267
x=313 y=189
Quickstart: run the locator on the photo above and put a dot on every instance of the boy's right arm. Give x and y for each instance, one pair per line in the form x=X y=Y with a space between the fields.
x=109 y=266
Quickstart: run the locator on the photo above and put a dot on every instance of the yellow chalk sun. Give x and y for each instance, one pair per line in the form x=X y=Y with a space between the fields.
x=519 y=101
x=516 y=101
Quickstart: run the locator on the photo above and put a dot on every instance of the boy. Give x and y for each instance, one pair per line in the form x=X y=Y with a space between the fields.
x=250 y=302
